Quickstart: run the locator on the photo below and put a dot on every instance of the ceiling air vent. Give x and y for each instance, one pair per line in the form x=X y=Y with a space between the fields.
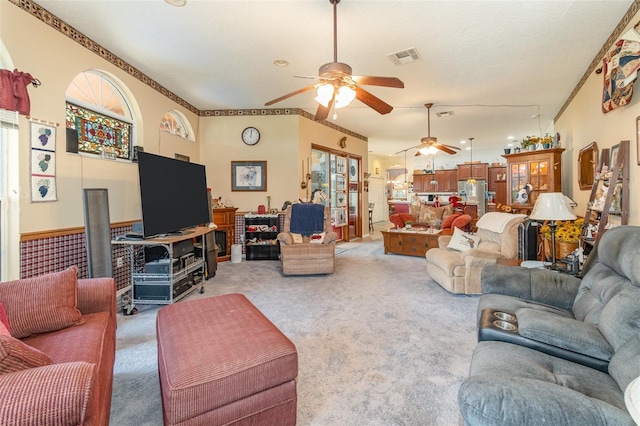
x=405 y=56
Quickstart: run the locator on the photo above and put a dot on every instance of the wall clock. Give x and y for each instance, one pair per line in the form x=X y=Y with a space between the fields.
x=250 y=136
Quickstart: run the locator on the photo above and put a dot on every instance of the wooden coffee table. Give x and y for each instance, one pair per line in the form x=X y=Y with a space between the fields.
x=411 y=243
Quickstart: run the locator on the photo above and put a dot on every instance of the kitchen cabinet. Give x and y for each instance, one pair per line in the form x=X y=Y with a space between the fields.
x=422 y=183
x=496 y=174
x=541 y=168
x=476 y=170
x=447 y=180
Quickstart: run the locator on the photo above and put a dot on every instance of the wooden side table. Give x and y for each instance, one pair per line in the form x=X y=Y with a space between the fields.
x=508 y=262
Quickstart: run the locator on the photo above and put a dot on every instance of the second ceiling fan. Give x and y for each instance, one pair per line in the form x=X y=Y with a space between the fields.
x=430 y=143
x=338 y=87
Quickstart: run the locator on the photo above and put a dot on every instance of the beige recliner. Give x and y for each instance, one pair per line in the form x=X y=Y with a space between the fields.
x=459 y=272
x=307 y=258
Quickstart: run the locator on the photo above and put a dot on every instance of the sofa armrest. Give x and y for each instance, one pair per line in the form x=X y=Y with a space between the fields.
x=538 y=285
x=97 y=295
x=330 y=237
x=443 y=241
x=285 y=238
x=39 y=396
x=562 y=332
x=470 y=255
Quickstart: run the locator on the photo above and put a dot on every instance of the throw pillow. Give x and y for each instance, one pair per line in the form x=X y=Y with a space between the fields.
x=16 y=355
x=41 y=304
x=461 y=221
x=429 y=214
x=414 y=208
x=448 y=211
x=396 y=220
x=297 y=238
x=317 y=238
x=448 y=221
x=3 y=318
x=462 y=241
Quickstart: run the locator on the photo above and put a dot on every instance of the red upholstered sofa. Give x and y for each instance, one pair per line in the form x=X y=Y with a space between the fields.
x=57 y=350
x=422 y=215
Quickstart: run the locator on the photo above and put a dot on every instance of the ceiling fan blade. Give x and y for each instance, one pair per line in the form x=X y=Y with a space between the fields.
x=418 y=154
x=450 y=146
x=323 y=111
x=444 y=148
x=370 y=80
x=288 y=95
x=372 y=101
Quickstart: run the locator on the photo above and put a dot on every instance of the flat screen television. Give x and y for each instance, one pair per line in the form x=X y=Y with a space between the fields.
x=173 y=194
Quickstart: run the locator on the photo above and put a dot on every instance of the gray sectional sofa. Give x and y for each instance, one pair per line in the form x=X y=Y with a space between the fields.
x=567 y=347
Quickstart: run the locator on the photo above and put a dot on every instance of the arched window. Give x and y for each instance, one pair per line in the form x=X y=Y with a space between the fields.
x=99 y=116
x=175 y=123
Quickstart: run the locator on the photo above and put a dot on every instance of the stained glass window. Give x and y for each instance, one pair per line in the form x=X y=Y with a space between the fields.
x=99 y=134
x=98 y=113
x=173 y=123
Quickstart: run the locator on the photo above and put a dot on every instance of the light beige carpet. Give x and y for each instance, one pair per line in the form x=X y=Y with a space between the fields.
x=379 y=342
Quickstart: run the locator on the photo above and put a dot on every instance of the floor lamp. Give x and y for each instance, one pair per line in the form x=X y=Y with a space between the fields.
x=552 y=206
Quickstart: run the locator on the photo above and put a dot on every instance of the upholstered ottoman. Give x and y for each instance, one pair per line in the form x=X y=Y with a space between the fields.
x=222 y=362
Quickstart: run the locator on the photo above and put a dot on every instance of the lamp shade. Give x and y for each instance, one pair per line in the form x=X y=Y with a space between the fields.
x=551 y=206
x=632 y=399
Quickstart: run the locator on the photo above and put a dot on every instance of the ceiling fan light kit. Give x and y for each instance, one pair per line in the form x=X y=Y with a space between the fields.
x=338 y=87
x=429 y=145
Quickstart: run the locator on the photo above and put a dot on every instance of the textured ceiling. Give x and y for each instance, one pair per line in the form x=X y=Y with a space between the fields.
x=494 y=64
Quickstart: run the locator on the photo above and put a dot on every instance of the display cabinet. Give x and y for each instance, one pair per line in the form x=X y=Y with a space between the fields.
x=541 y=168
x=260 y=237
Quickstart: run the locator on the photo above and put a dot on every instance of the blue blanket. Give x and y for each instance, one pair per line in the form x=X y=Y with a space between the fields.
x=307 y=219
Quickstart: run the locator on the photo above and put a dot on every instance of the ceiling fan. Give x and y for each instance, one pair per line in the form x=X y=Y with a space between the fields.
x=429 y=144
x=338 y=87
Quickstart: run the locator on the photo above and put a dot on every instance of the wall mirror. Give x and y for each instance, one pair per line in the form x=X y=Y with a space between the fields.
x=587 y=164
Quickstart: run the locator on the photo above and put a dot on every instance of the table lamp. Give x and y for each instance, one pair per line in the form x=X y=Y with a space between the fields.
x=552 y=206
x=632 y=399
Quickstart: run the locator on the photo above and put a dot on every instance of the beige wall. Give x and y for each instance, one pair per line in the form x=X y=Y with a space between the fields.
x=285 y=143
x=584 y=122
x=55 y=59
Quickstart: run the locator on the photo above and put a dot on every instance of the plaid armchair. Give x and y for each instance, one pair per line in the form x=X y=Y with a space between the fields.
x=299 y=255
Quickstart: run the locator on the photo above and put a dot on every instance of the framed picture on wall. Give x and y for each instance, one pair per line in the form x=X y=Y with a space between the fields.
x=248 y=175
x=613 y=156
x=638 y=139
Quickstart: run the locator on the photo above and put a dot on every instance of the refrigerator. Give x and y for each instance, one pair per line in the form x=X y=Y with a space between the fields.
x=474 y=193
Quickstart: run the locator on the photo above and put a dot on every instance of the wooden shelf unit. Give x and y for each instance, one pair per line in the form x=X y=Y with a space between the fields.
x=616 y=200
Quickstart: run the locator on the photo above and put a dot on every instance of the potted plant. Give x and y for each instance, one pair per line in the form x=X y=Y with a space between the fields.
x=408 y=224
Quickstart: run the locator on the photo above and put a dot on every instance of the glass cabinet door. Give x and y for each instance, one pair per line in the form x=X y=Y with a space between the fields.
x=354 y=202
x=320 y=173
x=518 y=177
x=338 y=195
